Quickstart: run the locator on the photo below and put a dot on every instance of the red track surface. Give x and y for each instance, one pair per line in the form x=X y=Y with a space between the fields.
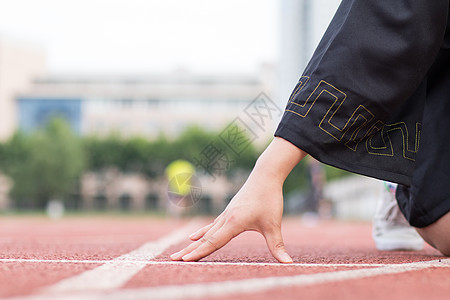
x=76 y=245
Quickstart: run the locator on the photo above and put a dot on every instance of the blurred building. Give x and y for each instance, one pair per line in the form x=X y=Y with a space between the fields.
x=354 y=197
x=115 y=190
x=140 y=105
x=151 y=104
x=145 y=106
x=20 y=63
x=126 y=104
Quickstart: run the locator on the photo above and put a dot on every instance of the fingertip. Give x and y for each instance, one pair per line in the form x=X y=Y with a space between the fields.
x=175 y=256
x=285 y=258
x=199 y=233
x=188 y=257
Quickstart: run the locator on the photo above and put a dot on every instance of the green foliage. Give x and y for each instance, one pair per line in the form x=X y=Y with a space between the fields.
x=47 y=163
x=246 y=159
x=298 y=179
x=191 y=142
x=14 y=152
x=43 y=165
x=335 y=173
x=101 y=153
x=137 y=154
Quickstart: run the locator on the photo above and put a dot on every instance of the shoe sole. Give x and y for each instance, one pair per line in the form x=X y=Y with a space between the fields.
x=398 y=246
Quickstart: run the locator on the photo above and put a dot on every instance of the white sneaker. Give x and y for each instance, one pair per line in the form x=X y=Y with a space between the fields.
x=390 y=230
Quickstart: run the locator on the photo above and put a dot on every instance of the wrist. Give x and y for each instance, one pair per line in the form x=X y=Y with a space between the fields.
x=278 y=160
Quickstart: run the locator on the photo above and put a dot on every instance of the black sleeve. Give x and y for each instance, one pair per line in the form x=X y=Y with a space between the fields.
x=359 y=104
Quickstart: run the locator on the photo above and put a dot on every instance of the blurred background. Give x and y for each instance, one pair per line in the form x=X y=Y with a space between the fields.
x=99 y=97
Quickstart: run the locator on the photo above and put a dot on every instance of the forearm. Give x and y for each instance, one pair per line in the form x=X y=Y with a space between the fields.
x=278 y=160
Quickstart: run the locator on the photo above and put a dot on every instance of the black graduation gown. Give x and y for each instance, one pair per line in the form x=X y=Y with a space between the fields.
x=375 y=100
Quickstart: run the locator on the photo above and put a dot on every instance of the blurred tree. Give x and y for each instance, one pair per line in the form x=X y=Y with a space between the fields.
x=335 y=173
x=297 y=179
x=14 y=162
x=14 y=150
x=244 y=161
x=191 y=142
x=137 y=154
x=186 y=146
x=44 y=165
x=159 y=155
x=103 y=152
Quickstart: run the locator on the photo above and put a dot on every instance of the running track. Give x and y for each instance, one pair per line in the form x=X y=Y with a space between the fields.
x=127 y=258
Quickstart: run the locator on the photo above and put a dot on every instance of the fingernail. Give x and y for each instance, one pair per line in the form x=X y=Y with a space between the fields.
x=192 y=235
x=173 y=256
x=187 y=257
x=286 y=258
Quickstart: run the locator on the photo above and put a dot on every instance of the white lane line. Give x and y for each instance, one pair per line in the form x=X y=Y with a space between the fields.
x=256 y=264
x=52 y=261
x=116 y=272
x=434 y=263
x=257 y=285
x=246 y=286
x=181 y=263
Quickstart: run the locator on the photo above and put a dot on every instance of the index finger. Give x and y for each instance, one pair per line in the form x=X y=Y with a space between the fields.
x=212 y=243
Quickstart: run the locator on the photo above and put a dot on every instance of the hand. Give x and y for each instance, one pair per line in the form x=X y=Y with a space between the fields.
x=258 y=206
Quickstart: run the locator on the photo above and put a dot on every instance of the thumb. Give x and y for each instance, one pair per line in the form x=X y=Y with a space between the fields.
x=275 y=244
